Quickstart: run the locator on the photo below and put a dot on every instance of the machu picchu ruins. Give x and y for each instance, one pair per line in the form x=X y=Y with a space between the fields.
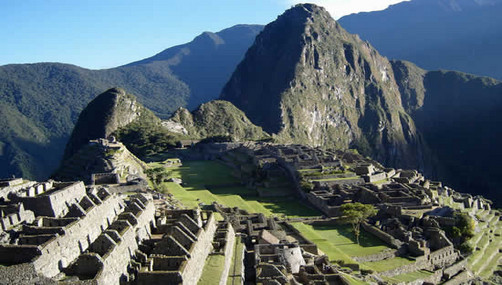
x=119 y=229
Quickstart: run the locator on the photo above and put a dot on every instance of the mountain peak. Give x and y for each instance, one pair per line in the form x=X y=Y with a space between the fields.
x=307 y=80
x=105 y=114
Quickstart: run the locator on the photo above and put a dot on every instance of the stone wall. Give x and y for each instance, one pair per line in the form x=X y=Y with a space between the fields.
x=321 y=203
x=436 y=260
x=11 y=215
x=54 y=202
x=199 y=252
x=116 y=261
x=355 y=181
x=461 y=278
x=194 y=245
x=6 y=190
x=385 y=237
x=105 y=178
x=391 y=253
x=434 y=278
x=443 y=257
x=60 y=252
x=454 y=269
x=228 y=252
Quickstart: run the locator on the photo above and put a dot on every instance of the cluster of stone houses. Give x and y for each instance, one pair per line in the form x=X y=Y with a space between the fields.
x=64 y=228
x=69 y=233
x=277 y=253
x=408 y=205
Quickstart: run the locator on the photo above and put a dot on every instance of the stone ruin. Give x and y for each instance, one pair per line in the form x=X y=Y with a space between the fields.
x=57 y=229
x=277 y=253
x=178 y=248
x=105 y=178
x=406 y=201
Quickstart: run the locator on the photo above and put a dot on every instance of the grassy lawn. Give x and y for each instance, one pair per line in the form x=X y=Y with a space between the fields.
x=352 y=280
x=343 y=239
x=485 y=260
x=213 y=268
x=337 y=179
x=409 y=277
x=490 y=267
x=199 y=173
x=337 y=242
x=225 y=189
x=234 y=276
x=325 y=245
x=388 y=264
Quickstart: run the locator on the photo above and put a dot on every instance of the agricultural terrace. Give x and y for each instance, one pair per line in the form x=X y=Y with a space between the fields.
x=487 y=241
x=338 y=243
x=211 y=181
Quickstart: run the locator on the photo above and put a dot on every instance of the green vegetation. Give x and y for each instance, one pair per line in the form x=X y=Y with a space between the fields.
x=145 y=139
x=335 y=179
x=352 y=280
x=157 y=175
x=41 y=102
x=388 y=264
x=211 y=181
x=356 y=214
x=464 y=227
x=486 y=244
x=213 y=269
x=338 y=243
x=218 y=121
x=409 y=277
x=343 y=239
x=234 y=276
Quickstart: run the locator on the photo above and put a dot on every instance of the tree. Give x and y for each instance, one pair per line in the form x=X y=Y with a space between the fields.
x=157 y=175
x=356 y=214
x=464 y=226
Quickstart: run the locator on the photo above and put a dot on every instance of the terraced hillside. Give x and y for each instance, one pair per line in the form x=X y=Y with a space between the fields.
x=211 y=181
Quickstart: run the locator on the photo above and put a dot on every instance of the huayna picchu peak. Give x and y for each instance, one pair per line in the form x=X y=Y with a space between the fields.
x=306 y=80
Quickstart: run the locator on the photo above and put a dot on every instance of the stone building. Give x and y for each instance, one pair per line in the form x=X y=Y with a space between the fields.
x=177 y=250
x=61 y=229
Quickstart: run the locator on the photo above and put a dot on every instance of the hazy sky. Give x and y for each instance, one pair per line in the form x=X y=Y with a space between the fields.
x=107 y=33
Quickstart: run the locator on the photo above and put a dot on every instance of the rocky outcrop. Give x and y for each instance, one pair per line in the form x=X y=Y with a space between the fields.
x=307 y=80
x=215 y=118
x=103 y=116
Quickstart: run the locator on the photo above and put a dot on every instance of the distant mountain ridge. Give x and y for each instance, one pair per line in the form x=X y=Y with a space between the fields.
x=464 y=35
x=206 y=63
x=39 y=103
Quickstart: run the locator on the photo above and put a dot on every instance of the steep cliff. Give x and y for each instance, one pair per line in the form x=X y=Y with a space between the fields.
x=460 y=117
x=215 y=118
x=307 y=80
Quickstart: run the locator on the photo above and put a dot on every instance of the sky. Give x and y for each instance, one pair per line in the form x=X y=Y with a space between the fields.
x=100 y=34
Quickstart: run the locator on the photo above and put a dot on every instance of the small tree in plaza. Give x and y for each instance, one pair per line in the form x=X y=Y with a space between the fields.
x=356 y=214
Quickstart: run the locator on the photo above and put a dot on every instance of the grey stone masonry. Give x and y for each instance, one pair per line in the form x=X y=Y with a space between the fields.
x=14 y=214
x=109 y=255
x=51 y=198
x=179 y=254
x=51 y=244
